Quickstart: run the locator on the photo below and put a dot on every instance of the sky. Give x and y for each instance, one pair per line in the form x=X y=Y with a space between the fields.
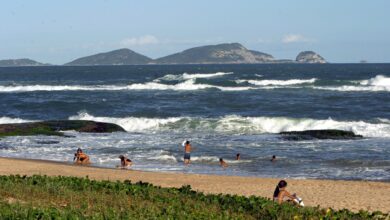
x=56 y=32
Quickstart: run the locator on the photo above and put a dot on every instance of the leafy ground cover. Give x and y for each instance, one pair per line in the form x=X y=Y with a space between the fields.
x=43 y=197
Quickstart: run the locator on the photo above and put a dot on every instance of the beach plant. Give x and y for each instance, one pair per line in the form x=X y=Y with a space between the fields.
x=43 y=197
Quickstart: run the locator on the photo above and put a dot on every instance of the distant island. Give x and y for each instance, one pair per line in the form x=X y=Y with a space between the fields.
x=227 y=53
x=21 y=62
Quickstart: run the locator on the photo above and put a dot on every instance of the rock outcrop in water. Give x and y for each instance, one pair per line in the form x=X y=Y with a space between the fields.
x=216 y=54
x=20 y=62
x=309 y=57
x=319 y=134
x=55 y=127
x=116 y=57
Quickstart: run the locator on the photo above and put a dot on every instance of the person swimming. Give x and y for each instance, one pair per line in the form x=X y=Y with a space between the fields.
x=273 y=159
x=125 y=162
x=80 y=157
x=281 y=194
x=238 y=156
x=222 y=163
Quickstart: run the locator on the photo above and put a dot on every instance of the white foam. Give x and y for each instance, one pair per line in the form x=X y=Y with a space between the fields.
x=7 y=120
x=130 y=124
x=205 y=75
x=183 y=86
x=278 y=82
x=378 y=80
x=378 y=83
x=186 y=85
x=240 y=125
x=164 y=158
x=186 y=76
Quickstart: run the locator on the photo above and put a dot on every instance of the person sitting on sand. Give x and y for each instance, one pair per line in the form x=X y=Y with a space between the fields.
x=222 y=163
x=80 y=157
x=273 y=158
x=238 y=156
x=281 y=194
x=125 y=162
x=187 y=152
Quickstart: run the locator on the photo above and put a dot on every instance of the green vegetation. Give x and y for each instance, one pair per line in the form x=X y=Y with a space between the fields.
x=42 y=197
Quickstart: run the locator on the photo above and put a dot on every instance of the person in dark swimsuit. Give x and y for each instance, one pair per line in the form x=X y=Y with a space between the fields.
x=187 y=152
x=238 y=156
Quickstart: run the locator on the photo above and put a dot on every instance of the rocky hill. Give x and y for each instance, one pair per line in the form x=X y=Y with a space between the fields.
x=309 y=57
x=116 y=57
x=20 y=62
x=221 y=53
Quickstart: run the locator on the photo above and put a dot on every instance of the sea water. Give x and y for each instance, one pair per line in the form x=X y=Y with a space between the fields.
x=222 y=109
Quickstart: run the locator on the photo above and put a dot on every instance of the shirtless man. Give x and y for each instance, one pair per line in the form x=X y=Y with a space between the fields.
x=80 y=157
x=187 y=152
x=125 y=162
x=222 y=163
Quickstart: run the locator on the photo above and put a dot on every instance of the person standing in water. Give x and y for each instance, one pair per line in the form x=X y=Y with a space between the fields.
x=187 y=152
x=273 y=158
x=238 y=156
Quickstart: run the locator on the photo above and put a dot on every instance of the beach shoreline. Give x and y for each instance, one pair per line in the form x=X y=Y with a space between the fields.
x=337 y=194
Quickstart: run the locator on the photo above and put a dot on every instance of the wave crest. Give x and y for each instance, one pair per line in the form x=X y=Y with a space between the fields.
x=234 y=124
x=7 y=120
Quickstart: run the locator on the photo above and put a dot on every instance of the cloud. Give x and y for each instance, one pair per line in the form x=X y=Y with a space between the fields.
x=139 y=41
x=296 y=38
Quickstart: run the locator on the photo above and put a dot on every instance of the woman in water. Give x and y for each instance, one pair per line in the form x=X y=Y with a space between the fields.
x=80 y=157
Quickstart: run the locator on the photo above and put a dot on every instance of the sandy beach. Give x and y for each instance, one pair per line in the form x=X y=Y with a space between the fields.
x=353 y=195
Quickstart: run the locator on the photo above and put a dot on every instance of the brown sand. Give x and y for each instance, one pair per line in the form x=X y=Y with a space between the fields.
x=353 y=195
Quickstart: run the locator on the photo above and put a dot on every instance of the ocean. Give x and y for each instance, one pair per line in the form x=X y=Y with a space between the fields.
x=222 y=109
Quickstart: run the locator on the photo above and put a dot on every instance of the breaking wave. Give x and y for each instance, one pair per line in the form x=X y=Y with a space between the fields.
x=234 y=124
x=278 y=82
x=185 y=76
x=378 y=83
x=7 y=120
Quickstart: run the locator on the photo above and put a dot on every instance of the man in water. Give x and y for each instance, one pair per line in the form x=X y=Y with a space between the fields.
x=273 y=158
x=187 y=152
x=222 y=163
x=125 y=162
x=238 y=156
x=80 y=157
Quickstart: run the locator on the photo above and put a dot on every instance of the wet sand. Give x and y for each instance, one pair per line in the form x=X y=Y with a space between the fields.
x=337 y=194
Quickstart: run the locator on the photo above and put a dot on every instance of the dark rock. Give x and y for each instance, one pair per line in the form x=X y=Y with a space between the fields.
x=55 y=127
x=319 y=134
